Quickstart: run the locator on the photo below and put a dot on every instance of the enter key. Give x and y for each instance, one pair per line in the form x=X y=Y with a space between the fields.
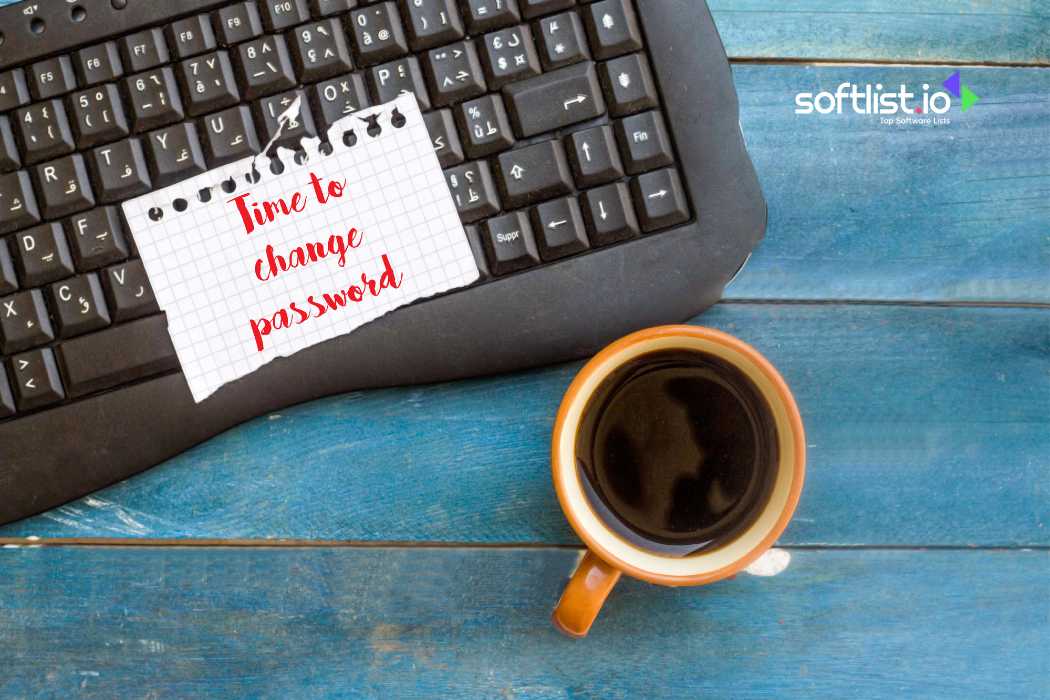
x=554 y=100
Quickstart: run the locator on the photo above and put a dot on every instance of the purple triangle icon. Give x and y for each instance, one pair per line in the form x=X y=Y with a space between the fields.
x=953 y=84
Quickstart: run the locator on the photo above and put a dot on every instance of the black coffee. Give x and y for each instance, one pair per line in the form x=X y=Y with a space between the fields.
x=680 y=448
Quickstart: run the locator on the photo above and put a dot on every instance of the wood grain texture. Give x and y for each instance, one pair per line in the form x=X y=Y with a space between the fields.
x=926 y=426
x=406 y=623
x=978 y=31
x=858 y=210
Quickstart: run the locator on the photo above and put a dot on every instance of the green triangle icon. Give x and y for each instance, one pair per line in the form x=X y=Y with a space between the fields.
x=968 y=98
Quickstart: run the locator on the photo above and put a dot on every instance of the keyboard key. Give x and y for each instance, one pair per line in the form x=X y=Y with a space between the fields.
x=120 y=170
x=609 y=214
x=7 y=399
x=337 y=97
x=97 y=238
x=17 y=202
x=144 y=50
x=63 y=186
x=297 y=127
x=660 y=199
x=8 y=281
x=628 y=84
x=378 y=34
x=433 y=23
x=455 y=73
x=483 y=15
x=13 y=89
x=319 y=51
x=554 y=100
x=191 y=36
x=535 y=172
x=43 y=131
x=264 y=66
x=281 y=14
x=613 y=28
x=559 y=228
x=478 y=249
x=41 y=255
x=324 y=8
x=36 y=380
x=473 y=190
x=24 y=322
x=128 y=292
x=238 y=22
x=397 y=77
x=51 y=78
x=9 y=159
x=174 y=153
x=117 y=355
x=207 y=81
x=535 y=8
x=229 y=135
x=155 y=99
x=98 y=64
x=509 y=55
x=98 y=116
x=593 y=155
x=79 y=306
x=644 y=142
x=484 y=126
x=442 y=130
x=562 y=40
x=509 y=243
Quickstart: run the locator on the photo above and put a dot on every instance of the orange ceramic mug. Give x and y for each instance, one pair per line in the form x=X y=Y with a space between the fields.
x=612 y=548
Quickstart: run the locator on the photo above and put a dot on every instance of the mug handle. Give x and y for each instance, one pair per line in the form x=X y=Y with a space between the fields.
x=584 y=595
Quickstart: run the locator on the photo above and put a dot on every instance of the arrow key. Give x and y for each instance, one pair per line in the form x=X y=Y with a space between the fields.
x=36 y=380
x=560 y=228
x=594 y=157
x=609 y=214
x=660 y=199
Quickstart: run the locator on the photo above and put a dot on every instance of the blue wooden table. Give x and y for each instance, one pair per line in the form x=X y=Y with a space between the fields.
x=408 y=542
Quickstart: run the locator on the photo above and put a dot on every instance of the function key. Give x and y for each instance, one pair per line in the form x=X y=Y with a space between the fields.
x=510 y=55
x=455 y=73
x=320 y=50
x=609 y=214
x=17 y=202
x=613 y=28
x=263 y=66
x=207 y=80
x=644 y=142
x=629 y=85
x=473 y=190
x=660 y=199
x=281 y=14
x=324 y=8
x=52 y=77
x=238 y=22
x=399 y=77
x=510 y=244
x=535 y=8
x=562 y=41
x=433 y=23
x=337 y=97
x=24 y=322
x=144 y=50
x=97 y=64
x=13 y=89
x=191 y=36
x=559 y=228
x=44 y=131
x=594 y=157
x=378 y=34
x=36 y=380
x=484 y=15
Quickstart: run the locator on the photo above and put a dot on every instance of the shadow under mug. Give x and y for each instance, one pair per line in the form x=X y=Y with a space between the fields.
x=609 y=553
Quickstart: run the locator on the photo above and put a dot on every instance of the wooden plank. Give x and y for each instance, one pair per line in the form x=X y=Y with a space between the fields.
x=348 y=622
x=858 y=210
x=974 y=31
x=926 y=426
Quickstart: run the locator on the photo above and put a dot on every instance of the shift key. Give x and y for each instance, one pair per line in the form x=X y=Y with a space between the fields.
x=118 y=355
x=554 y=100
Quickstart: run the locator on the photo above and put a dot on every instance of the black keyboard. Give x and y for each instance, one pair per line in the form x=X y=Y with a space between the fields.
x=592 y=150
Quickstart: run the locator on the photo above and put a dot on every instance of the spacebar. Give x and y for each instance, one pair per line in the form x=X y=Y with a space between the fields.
x=117 y=355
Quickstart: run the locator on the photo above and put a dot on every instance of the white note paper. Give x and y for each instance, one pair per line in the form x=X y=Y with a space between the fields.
x=232 y=306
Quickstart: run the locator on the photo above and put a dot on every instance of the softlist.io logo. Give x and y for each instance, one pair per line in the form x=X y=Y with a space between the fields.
x=900 y=106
